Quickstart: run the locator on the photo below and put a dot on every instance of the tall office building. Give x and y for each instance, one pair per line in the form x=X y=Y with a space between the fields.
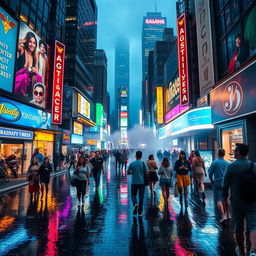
x=80 y=38
x=121 y=78
x=152 y=30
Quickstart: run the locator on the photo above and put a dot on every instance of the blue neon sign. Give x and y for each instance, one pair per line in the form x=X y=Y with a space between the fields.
x=15 y=134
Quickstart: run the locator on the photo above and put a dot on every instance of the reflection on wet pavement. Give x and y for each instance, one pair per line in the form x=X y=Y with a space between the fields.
x=54 y=225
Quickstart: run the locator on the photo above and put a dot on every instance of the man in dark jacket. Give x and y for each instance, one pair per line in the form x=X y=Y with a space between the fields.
x=97 y=168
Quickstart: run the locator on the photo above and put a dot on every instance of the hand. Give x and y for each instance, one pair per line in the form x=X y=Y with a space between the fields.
x=34 y=70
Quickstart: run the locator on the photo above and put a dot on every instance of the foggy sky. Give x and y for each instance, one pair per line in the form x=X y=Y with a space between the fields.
x=117 y=17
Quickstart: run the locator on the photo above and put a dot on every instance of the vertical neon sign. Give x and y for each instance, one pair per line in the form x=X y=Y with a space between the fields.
x=183 y=60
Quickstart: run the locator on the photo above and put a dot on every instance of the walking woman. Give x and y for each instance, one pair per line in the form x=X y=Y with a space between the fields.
x=44 y=171
x=33 y=177
x=182 y=168
x=199 y=173
x=82 y=173
x=152 y=167
x=165 y=172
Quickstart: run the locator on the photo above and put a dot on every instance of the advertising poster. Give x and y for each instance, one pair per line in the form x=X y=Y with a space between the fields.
x=8 y=43
x=12 y=112
x=32 y=67
x=159 y=104
x=83 y=106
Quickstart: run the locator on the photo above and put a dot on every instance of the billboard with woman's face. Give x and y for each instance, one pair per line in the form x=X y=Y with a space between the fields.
x=31 y=81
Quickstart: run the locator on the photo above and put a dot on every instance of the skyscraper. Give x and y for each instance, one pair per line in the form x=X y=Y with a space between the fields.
x=121 y=77
x=152 y=30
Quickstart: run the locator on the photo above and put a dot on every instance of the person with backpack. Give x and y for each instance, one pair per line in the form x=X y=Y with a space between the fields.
x=216 y=174
x=240 y=180
x=138 y=170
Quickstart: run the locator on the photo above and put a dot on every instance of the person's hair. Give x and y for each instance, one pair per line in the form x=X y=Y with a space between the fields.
x=166 y=162
x=46 y=158
x=221 y=152
x=85 y=161
x=44 y=44
x=150 y=157
x=138 y=154
x=28 y=36
x=197 y=153
x=32 y=162
x=39 y=85
x=182 y=153
x=242 y=148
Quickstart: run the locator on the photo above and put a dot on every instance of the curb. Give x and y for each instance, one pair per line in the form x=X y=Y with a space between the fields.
x=25 y=183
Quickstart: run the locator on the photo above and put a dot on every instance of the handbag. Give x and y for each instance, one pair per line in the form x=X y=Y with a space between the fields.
x=146 y=176
x=73 y=181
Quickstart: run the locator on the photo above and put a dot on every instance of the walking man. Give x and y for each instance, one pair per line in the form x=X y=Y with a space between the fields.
x=242 y=209
x=97 y=168
x=216 y=173
x=138 y=169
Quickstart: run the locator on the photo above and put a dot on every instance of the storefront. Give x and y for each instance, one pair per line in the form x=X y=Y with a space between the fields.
x=233 y=111
x=19 y=143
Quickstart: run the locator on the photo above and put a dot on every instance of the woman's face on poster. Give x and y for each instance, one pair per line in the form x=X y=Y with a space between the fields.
x=42 y=49
x=38 y=95
x=32 y=44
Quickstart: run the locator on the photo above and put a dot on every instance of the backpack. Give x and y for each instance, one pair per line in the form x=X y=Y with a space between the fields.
x=247 y=185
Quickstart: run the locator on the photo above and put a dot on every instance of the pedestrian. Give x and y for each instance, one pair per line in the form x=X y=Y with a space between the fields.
x=153 y=178
x=67 y=158
x=199 y=173
x=242 y=209
x=56 y=161
x=38 y=156
x=72 y=161
x=167 y=155
x=124 y=159
x=216 y=174
x=138 y=170
x=82 y=174
x=97 y=168
x=191 y=157
x=44 y=172
x=118 y=159
x=33 y=177
x=62 y=159
x=159 y=156
x=182 y=168
x=165 y=172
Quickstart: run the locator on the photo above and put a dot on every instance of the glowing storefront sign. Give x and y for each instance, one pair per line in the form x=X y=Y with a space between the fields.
x=58 y=72
x=123 y=122
x=14 y=133
x=83 y=106
x=99 y=114
x=43 y=136
x=78 y=128
x=196 y=119
x=76 y=139
x=124 y=115
x=155 y=21
x=8 y=32
x=159 y=103
x=183 y=60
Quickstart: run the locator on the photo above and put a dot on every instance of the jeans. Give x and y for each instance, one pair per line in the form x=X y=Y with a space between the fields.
x=135 y=189
x=96 y=176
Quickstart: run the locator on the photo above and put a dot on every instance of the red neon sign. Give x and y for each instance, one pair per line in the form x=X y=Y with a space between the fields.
x=183 y=60
x=124 y=114
x=58 y=72
x=155 y=21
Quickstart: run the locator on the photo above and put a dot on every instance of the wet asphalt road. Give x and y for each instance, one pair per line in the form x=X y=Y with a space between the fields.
x=106 y=226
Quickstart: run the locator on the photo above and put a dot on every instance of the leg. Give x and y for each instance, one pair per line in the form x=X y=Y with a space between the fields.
x=42 y=189
x=253 y=239
x=141 y=198
x=134 y=194
x=97 y=182
x=164 y=193
x=185 y=195
x=180 y=192
x=240 y=239
x=167 y=193
x=46 y=188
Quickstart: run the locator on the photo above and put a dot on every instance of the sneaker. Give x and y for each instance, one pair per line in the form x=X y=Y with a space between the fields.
x=135 y=209
x=252 y=252
x=140 y=214
x=238 y=253
x=78 y=204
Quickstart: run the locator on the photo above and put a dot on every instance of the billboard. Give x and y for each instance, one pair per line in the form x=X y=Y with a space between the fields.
x=155 y=21
x=196 y=119
x=123 y=122
x=159 y=105
x=77 y=128
x=235 y=97
x=83 y=106
x=123 y=93
x=124 y=115
x=58 y=73
x=124 y=134
x=12 y=112
x=8 y=44
x=124 y=108
x=204 y=45
x=99 y=114
x=183 y=60
x=32 y=67
x=172 y=100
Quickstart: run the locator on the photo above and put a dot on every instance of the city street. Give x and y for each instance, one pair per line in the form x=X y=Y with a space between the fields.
x=106 y=226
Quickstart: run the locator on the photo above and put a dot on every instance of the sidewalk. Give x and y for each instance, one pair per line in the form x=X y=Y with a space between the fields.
x=15 y=183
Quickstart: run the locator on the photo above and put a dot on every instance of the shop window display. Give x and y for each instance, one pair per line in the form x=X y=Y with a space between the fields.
x=229 y=139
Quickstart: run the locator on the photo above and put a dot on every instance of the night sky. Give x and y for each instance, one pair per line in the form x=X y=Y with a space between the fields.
x=117 y=17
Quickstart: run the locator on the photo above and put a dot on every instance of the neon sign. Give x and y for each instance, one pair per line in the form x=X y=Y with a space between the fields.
x=59 y=58
x=183 y=60
x=155 y=21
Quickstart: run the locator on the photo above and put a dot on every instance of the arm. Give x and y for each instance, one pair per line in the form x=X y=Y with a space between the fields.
x=129 y=171
x=211 y=172
x=226 y=184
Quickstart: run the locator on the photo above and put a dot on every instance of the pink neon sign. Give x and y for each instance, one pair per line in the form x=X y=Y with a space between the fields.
x=155 y=21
